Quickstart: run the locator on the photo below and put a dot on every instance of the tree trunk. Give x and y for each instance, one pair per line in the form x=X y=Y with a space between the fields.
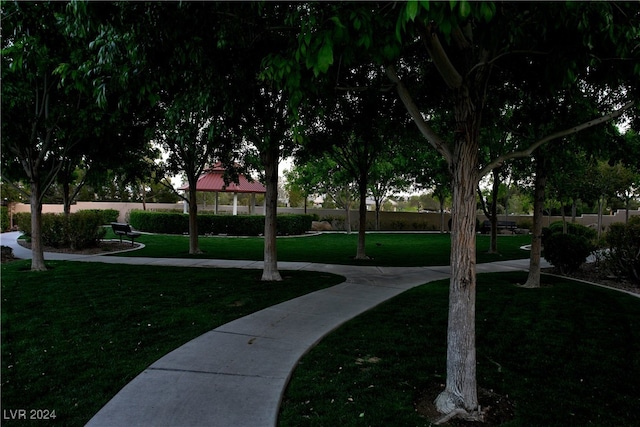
x=533 y=280
x=66 y=198
x=194 y=245
x=347 y=218
x=378 y=206
x=441 y=216
x=626 y=210
x=270 y=162
x=37 y=250
x=493 y=247
x=362 y=217
x=601 y=203
x=460 y=393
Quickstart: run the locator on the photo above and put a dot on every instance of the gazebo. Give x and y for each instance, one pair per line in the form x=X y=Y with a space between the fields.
x=212 y=180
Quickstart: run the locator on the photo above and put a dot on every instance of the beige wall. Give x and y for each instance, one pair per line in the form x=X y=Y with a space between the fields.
x=388 y=220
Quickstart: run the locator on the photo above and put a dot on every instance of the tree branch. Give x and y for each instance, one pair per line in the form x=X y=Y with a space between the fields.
x=452 y=78
x=575 y=129
x=415 y=113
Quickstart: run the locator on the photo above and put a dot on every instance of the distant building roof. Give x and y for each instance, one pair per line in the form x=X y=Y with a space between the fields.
x=213 y=180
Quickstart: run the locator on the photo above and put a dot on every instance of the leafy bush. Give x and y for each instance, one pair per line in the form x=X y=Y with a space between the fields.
x=567 y=252
x=23 y=221
x=107 y=215
x=624 y=249
x=4 y=219
x=54 y=230
x=77 y=231
x=574 y=229
x=84 y=229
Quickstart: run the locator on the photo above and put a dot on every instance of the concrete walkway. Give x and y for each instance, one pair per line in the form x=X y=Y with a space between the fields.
x=235 y=375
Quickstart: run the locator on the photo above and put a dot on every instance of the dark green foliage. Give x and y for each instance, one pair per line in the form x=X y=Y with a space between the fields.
x=624 y=244
x=79 y=230
x=568 y=251
x=23 y=221
x=107 y=215
x=4 y=219
x=84 y=229
x=159 y=222
x=241 y=225
x=294 y=224
x=575 y=229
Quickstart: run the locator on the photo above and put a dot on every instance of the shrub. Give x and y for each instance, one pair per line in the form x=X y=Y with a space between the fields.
x=84 y=229
x=4 y=218
x=624 y=249
x=54 y=230
x=293 y=224
x=77 y=231
x=566 y=252
x=159 y=222
x=574 y=229
x=23 y=221
x=106 y=215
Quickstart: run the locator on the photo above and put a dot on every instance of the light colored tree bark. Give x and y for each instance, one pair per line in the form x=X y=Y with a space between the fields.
x=194 y=244
x=533 y=279
x=461 y=390
x=270 y=271
x=37 y=250
x=362 y=216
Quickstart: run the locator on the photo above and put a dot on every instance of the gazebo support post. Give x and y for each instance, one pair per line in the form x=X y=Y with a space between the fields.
x=235 y=204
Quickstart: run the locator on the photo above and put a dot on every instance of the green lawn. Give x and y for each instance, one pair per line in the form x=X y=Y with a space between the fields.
x=390 y=249
x=567 y=354
x=76 y=334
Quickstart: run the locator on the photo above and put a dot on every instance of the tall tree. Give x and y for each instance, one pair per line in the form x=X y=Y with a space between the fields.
x=49 y=108
x=355 y=127
x=472 y=48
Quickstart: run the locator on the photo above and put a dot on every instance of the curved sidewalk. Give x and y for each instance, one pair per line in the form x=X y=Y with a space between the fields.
x=235 y=375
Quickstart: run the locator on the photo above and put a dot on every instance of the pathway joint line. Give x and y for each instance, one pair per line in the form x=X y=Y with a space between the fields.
x=213 y=373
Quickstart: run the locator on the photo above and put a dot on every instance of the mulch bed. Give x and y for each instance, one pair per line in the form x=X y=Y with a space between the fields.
x=591 y=272
x=104 y=247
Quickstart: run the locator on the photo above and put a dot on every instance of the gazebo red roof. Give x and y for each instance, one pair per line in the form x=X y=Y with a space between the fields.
x=213 y=180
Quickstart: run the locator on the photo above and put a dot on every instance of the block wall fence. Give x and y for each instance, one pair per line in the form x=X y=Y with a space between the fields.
x=388 y=220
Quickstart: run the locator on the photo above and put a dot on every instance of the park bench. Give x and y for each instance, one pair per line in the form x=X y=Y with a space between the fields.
x=121 y=229
x=502 y=225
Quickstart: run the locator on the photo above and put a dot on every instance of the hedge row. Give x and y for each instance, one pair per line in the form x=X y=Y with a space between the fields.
x=241 y=225
x=79 y=230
